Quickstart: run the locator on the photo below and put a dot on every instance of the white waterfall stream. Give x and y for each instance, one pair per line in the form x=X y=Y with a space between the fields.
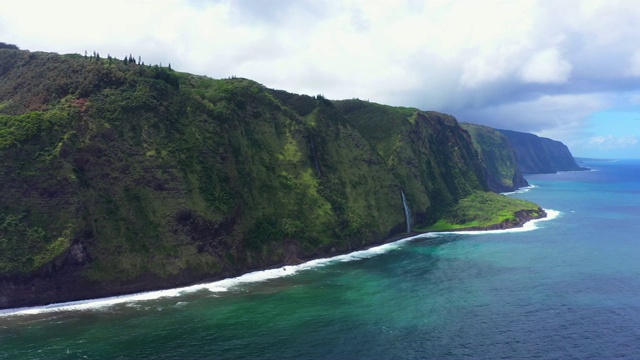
x=407 y=212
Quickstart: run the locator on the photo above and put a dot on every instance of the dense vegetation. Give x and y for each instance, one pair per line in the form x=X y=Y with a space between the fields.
x=498 y=158
x=484 y=210
x=119 y=176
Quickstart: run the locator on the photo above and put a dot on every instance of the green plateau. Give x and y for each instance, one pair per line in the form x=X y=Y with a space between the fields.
x=484 y=211
x=120 y=177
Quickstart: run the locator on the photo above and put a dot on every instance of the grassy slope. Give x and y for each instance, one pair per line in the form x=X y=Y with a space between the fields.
x=125 y=172
x=483 y=210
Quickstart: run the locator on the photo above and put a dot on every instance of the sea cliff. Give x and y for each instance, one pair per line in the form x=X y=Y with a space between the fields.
x=498 y=158
x=539 y=155
x=120 y=177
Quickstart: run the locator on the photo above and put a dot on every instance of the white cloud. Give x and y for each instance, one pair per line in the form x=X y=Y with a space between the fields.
x=609 y=142
x=546 y=66
x=634 y=64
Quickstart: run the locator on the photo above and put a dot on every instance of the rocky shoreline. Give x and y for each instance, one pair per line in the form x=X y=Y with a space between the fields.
x=69 y=285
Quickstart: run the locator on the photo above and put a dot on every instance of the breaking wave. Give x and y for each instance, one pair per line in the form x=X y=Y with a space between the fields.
x=253 y=277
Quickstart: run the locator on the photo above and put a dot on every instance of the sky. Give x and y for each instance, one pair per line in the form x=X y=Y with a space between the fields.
x=564 y=69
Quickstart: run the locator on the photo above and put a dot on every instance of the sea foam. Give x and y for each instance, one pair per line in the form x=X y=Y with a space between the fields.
x=252 y=277
x=528 y=226
x=521 y=190
x=216 y=286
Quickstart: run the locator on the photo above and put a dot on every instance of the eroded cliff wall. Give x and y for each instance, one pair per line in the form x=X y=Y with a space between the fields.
x=119 y=177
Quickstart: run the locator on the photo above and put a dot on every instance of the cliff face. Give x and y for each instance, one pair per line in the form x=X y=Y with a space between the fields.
x=538 y=155
x=119 y=177
x=498 y=157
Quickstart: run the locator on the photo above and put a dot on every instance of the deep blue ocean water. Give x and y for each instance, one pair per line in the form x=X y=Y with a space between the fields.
x=568 y=289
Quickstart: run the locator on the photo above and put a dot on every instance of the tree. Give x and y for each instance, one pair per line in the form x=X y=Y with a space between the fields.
x=8 y=46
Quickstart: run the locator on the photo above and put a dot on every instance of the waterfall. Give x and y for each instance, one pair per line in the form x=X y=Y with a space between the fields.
x=407 y=212
x=315 y=158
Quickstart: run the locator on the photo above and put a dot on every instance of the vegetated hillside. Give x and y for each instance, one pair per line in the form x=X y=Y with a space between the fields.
x=538 y=155
x=119 y=177
x=487 y=210
x=498 y=157
x=430 y=155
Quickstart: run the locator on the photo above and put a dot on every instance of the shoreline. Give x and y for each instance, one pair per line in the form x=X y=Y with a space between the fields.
x=226 y=283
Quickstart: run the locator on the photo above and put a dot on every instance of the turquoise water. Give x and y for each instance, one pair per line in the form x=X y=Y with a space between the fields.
x=570 y=288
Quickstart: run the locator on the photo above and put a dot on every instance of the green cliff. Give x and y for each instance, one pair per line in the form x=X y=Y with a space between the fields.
x=539 y=155
x=119 y=177
x=498 y=158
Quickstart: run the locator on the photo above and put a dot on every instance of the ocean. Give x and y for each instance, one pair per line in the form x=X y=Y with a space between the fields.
x=567 y=287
